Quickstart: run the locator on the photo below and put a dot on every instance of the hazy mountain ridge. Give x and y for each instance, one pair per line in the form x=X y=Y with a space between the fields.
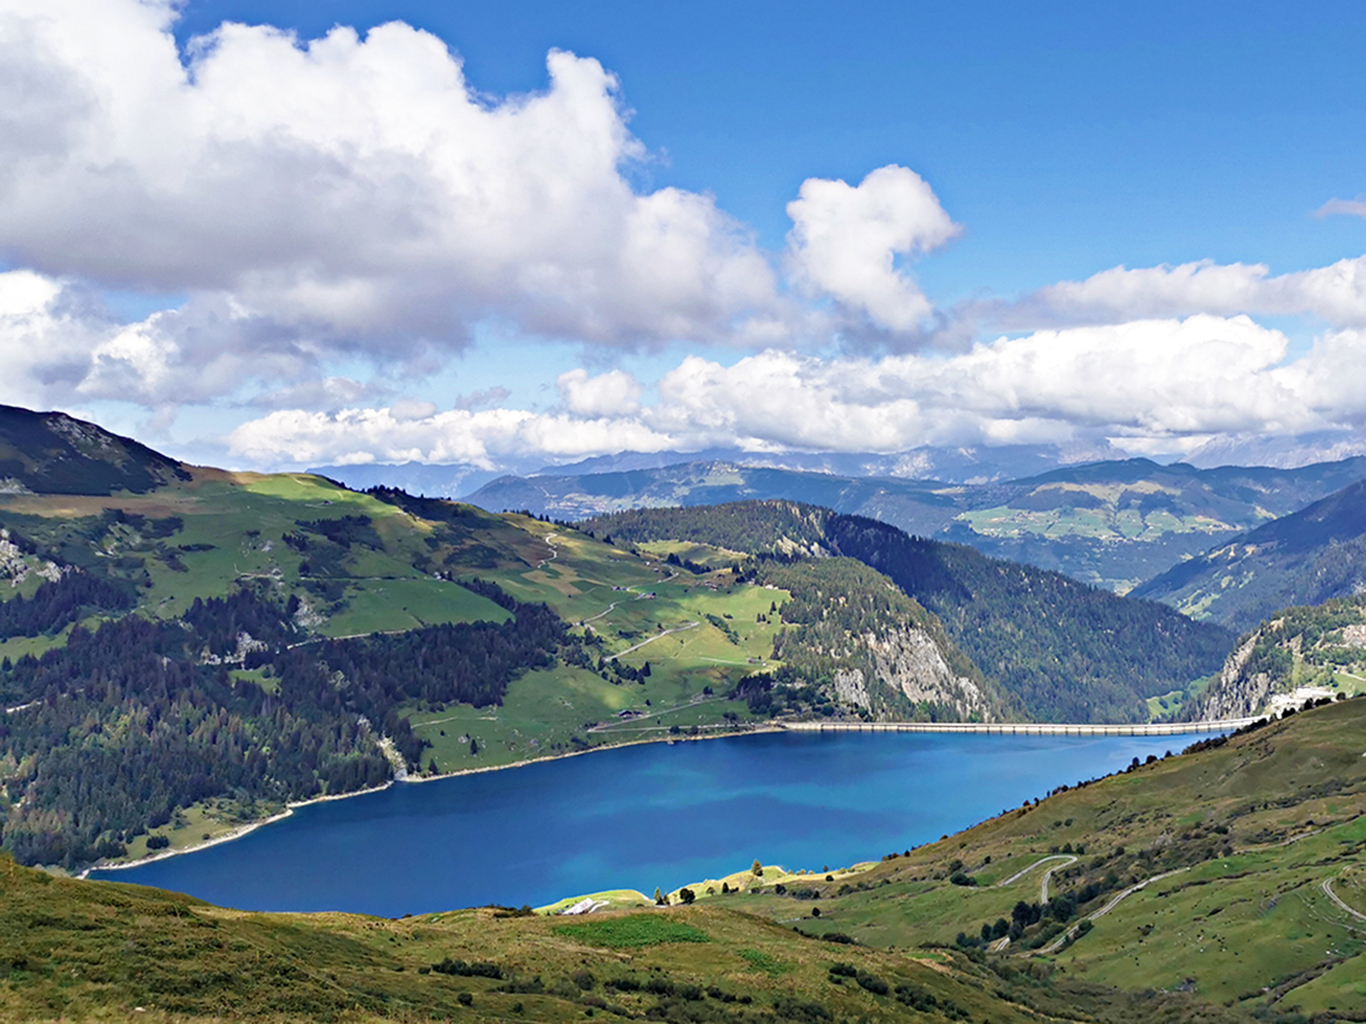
x=976 y=464
x=1114 y=524
x=1304 y=558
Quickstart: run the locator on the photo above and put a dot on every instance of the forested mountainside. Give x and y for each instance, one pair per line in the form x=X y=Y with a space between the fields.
x=1221 y=885
x=127 y=725
x=1320 y=648
x=1305 y=558
x=1064 y=650
x=851 y=637
x=1113 y=524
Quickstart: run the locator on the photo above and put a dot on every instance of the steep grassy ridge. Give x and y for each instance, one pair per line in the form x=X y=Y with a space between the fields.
x=52 y=453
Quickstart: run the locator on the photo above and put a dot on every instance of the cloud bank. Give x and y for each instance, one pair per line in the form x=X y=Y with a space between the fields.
x=353 y=191
x=1173 y=381
x=337 y=216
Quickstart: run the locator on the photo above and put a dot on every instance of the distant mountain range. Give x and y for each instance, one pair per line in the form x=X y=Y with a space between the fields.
x=1285 y=452
x=973 y=464
x=1113 y=524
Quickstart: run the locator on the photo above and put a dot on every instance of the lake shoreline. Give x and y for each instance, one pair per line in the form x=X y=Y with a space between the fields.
x=246 y=828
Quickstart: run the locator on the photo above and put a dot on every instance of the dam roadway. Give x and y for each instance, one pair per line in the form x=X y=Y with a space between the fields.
x=1029 y=728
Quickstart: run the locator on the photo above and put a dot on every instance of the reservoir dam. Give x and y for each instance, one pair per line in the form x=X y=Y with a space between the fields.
x=1029 y=728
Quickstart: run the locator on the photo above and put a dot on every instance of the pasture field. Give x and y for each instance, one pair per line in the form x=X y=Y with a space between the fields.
x=697 y=634
x=1102 y=523
x=702 y=554
x=1239 y=843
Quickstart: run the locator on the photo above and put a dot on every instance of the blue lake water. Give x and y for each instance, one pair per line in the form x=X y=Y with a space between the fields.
x=635 y=817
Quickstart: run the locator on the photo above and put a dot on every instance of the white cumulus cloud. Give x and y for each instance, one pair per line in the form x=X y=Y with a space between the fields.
x=483 y=438
x=845 y=241
x=1335 y=294
x=353 y=190
x=613 y=393
x=1158 y=385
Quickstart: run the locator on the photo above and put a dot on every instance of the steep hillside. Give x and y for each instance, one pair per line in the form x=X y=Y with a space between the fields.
x=851 y=640
x=1066 y=651
x=1305 y=558
x=1307 y=651
x=101 y=951
x=1113 y=524
x=52 y=453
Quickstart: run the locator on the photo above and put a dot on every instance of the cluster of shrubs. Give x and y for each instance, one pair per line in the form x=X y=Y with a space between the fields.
x=910 y=995
x=1053 y=915
x=614 y=671
x=460 y=969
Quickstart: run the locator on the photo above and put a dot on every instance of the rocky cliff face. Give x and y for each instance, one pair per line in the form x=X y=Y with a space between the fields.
x=1237 y=692
x=1304 y=652
x=905 y=669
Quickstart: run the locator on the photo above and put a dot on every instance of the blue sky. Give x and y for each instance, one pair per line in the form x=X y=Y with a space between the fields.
x=1069 y=137
x=212 y=301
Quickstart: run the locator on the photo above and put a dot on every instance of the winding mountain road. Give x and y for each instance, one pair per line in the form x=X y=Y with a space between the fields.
x=1327 y=888
x=1024 y=871
x=658 y=636
x=1057 y=943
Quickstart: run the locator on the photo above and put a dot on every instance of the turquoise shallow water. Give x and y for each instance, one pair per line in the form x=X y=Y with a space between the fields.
x=635 y=817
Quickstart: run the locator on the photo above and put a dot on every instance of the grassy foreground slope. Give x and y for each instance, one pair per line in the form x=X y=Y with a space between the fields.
x=1234 y=873
x=101 y=951
x=1254 y=908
